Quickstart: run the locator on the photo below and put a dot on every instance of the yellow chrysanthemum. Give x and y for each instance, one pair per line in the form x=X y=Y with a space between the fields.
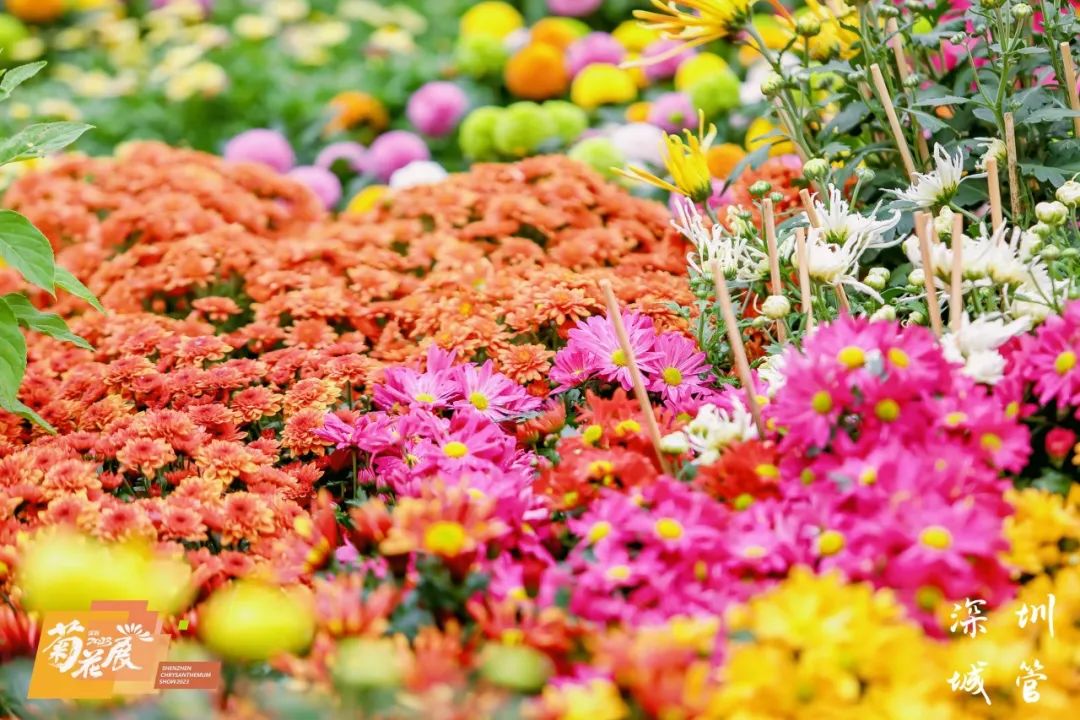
x=686 y=163
x=694 y=22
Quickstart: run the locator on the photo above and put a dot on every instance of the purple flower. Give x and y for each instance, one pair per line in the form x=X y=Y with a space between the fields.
x=437 y=108
x=351 y=153
x=672 y=58
x=261 y=145
x=574 y=8
x=597 y=47
x=673 y=112
x=320 y=181
x=395 y=150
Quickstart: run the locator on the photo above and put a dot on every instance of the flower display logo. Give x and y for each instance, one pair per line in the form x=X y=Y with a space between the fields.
x=115 y=648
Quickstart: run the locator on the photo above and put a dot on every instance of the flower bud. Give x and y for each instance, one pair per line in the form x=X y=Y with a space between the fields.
x=816 y=169
x=760 y=188
x=877 y=278
x=777 y=198
x=1050 y=252
x=772 y=85
x=760 y=321
x=913 y=81
x=855 y=76
x=991 y=4
x=885 y=312
x=776 y=307
x=1042 y=230
x=1070 y=253
x=943 y=222
x=916 y=318
x=808 y=25
x=1021 y=11
x=1052 y=213
x=864 y=174
x=916 y=277
x=888 y=11
x=1059 y=443
x=1069 y=193
x=958 y=38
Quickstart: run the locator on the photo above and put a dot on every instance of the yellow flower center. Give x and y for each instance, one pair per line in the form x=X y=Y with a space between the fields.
x=1065 y=362
x=928 y=597
x=479 y=400
x=618 y=572
x=899 y=358
x=600 y=469
x=868 y=476
x=851 y=357
x=767 y=470
x=936 y=537
x=592 y=434
x=954 y=419
x=744 y=501
x=754 y=551
x=570 y=498
x=619 y=358
x=821 y=402
x=990 y=442
x=445 y=538
x=627 y=426
x=669 y=528
x=513 y=636
x=672 y=376
x=599 y=531
x=455 y=449
x=830 y=542
x=806 y=476
x=887 y=410
x=424 y=397
x=701 y=571
x=1012 y=409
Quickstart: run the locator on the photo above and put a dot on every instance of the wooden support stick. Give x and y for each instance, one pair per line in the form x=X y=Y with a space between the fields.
x=1014 y=177
x=615 y=314
x=956 y=280
x=841 y=297
x=896 y=42
x=776 y=284
x=894 y=121
x=804 y=277
x=993 y=182
x=738 y=350
x=1070 y=84
x=924 y=228
x=808 y=205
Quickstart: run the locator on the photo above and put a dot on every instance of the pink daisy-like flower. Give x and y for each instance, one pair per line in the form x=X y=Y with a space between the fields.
x=491 y=393
x=677 y=369
x=472 y=443
x=597 y=336
x=573 y=365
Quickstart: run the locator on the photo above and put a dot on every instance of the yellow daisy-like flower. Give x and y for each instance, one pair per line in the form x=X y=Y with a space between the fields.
x=834 y=38
x=686 y=163
x=694 y=22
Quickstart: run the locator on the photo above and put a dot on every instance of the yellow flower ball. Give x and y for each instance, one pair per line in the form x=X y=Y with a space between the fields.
x=494 y=18
x=36 y=11
x=602 y=84
x=366 y=199
x=762 y=132
x=697 y=68
x=633 y=36
x=255 y=621
x=638 y=112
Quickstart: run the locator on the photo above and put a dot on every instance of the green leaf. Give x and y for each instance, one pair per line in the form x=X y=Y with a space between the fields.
x=15 y=77
x=23 y=247
x=66 y=281
x=46 y=323
x=846 y=119
x=939 y=101
x=1049 y=114
x=40 y=140
x=12 y=354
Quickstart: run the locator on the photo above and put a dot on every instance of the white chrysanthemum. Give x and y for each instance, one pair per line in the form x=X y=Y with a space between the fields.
x=937 y=187
x=771 y=372
x=975 y=346
x=418 y=172
x=836 y=264
x=738 y=258
x=839 y=224
x=992 y=148
x=714 y=429
x=640 y=143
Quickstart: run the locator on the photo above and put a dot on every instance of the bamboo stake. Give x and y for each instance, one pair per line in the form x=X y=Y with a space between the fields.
x=1014 y=178
x=808 y=205
x=615 y=313
x=841 y=297
x=896 y=42
x=993 y=181
x=804 y=277
x=1070 y=84
x=894 y=122
x=738 y=350
x=956 y=290
x=777 y=284
x=923 y=229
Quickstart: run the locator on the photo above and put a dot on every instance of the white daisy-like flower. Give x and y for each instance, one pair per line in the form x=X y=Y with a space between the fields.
x=992 y=148
x=836 y=263
x=739 y=259
x=937 y=187
x=714 y=429
x=975 y=345
x=771 y=372
x=839 y=224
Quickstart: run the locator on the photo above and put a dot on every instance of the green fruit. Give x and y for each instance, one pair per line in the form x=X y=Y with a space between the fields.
x=516 y=667
x=600 y=154
x=570 y=120
x=522 y=128
x=716 y=94
x=12 y=31
x=477 y=133
x=480 y=55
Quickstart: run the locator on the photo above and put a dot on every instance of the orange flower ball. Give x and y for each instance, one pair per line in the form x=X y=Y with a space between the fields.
x=36 y=11
x=722 y=159
x=352 y=108
x=537 y=72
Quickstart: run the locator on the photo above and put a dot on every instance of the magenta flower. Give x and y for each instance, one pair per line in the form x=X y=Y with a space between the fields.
x=320 y=181
x=437 y=108
x=261 y=145
x=596 y=336
x=405 y=387
x=596 y=47
x=676 y=371
x=673 y=112
x=573 y=365
x=351 y=153
x=574 y=8
x=393 y=151
x=671 y=56
x=472 y=444
x=491 y=393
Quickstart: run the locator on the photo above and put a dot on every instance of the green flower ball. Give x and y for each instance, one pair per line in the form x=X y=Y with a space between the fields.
x=477 y=133
x=480 y=55
x=600 y=154
x=570 y=120
x=11 y=31
x=716 y=94
x=522 y=128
